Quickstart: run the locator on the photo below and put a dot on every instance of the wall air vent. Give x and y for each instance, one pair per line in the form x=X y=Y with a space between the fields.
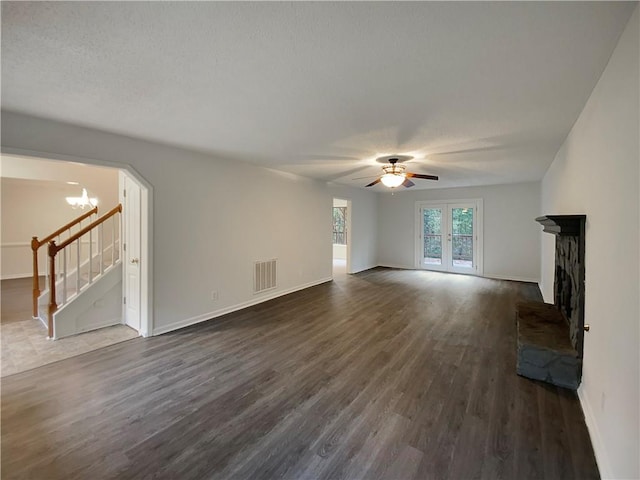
x=264 y=276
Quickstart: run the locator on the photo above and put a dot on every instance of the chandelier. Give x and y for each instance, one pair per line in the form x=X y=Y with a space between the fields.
x=82 y=201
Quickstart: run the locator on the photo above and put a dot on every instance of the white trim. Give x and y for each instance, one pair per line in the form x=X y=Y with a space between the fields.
x=364 y=269
x=596 y=438
x=13 y=276
x=223 y=311
x=395 y=265
x=514 y=278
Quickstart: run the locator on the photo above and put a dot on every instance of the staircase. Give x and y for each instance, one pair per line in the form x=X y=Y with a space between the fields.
x=83 y=275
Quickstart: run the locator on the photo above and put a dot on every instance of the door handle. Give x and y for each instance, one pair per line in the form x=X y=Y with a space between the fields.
x=134 y=261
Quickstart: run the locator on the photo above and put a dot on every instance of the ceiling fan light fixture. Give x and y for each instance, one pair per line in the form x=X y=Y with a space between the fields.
x=392 y=180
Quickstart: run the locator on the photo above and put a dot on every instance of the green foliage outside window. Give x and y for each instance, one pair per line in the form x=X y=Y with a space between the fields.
x=432 y=233
x=340 y=225
x=461 y=228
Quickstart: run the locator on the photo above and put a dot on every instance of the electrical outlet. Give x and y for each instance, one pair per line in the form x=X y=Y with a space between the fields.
x=602 y=399
x=214 y=295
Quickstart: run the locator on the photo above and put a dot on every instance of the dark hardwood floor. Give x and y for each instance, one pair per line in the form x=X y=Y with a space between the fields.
x=386 y=374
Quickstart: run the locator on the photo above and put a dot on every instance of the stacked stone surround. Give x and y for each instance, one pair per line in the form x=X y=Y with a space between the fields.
x=551 y=337
x=569 y=287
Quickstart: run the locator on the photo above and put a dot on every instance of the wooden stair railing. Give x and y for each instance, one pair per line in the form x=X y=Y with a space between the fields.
x=35 y=246
x=53 y=251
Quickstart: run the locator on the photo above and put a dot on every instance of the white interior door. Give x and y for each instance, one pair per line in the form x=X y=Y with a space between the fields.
x=449 y=236
x=131 y=252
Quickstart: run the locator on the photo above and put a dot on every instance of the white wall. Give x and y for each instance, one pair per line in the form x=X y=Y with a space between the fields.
x=211 y=218
x=38 y=207
x=511 y=235
x=362 y=238
x=596 y=173
x=339 y=252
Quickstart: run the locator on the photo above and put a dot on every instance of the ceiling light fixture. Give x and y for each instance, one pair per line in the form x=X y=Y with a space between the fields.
x=394 y=176
x=82 y=201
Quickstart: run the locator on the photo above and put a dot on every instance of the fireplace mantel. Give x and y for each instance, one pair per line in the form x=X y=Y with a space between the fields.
x=563 y=224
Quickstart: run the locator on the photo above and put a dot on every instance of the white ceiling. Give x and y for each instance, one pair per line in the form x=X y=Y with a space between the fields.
x=479 y=93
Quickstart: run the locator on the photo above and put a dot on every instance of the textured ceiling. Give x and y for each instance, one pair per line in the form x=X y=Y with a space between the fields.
x=479 y=93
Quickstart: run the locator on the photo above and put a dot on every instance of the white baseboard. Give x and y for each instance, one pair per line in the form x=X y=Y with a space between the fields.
x=393 y=265
x=514 y=278
x=223 y=311
x=596 y=438
x=13 y=276
x=362 y=269
x=497 y=277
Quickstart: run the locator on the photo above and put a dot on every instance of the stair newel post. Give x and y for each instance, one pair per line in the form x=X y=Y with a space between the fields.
x=35 y=244
x=53 y=306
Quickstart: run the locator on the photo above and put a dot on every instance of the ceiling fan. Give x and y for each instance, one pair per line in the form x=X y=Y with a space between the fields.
x=395 y=175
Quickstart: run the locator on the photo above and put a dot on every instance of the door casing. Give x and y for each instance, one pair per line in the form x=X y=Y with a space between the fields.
x=140 y=250
x=131 y=254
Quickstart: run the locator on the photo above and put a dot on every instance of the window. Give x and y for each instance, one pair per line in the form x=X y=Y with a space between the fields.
x=339 y=225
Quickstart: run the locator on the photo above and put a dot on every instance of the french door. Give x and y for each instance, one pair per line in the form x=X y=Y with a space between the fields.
x=448 y=237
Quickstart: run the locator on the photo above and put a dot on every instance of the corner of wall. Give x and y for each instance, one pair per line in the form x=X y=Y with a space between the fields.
x=596 y=437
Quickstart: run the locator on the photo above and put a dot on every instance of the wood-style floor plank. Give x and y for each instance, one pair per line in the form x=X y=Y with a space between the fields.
x=387 y=374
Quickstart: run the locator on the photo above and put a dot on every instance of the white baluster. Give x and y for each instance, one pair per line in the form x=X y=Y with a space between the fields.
x=101 y=247
x=78 y=266
x=90 y=256
x=58 y=269
x=113 y=241
x=46 y=261
x=64 y=276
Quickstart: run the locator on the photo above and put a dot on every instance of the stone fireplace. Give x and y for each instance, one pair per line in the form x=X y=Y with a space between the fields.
x=568 y=285
x=551 y=337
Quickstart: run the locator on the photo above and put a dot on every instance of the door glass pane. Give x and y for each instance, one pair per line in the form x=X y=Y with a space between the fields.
x=432 y=224
x=462 y=237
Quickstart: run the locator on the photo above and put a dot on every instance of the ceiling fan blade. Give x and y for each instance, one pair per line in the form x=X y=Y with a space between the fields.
x=324 y=158
x=408 y=183
x=373 y=183
x=361 y=178
x=420 y=175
